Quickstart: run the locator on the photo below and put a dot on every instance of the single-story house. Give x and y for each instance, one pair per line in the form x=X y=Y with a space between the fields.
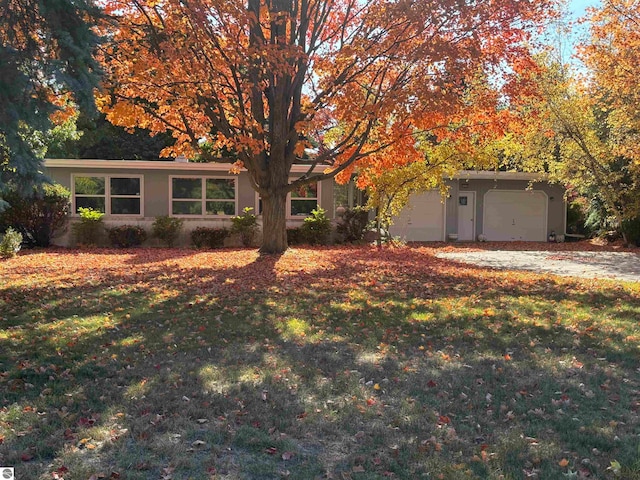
x=499 y=206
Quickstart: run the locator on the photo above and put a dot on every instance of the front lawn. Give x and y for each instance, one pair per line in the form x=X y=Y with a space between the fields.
x=338 y=363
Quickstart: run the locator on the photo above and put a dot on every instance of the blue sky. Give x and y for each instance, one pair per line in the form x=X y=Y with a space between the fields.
x=577 y=7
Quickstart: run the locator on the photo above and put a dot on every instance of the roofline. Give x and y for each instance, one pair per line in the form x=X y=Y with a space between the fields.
x=156 y=165
x=226 y=167
x=497 y=175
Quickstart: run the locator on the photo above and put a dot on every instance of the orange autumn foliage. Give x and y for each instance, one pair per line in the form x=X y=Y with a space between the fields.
x=613 y=57
x=266 y=79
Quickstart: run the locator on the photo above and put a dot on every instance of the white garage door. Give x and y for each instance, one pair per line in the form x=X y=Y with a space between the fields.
x=515 y=215
x=422 y=220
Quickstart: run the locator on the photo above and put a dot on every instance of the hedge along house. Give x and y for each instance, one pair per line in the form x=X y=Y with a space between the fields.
x=496 y=206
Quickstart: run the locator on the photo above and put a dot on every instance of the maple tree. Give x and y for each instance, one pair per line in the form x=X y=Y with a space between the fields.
x=267 y=79
x=612 y=55
x=46 y=69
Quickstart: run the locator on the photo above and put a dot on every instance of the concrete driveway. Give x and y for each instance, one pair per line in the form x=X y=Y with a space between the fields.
x=610 y=265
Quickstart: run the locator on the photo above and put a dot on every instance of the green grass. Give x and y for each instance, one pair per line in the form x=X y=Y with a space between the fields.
x=330 y=363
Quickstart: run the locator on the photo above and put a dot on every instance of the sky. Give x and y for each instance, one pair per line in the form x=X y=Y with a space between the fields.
x=577 y=7
x=575 y=10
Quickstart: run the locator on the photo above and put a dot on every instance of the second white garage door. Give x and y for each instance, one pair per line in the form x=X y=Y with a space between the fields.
x=422 y=220
x=515 y=216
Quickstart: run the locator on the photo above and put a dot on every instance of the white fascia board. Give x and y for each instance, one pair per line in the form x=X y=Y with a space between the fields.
x=497 y=175
x=226 y=167
x=156 y=165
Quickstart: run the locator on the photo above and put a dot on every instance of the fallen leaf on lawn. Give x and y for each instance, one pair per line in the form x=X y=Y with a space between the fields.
x=271 y=450
x=288 y=455
x=358 y=469
x=26 y=457
x=444 y=419
x=563 y=463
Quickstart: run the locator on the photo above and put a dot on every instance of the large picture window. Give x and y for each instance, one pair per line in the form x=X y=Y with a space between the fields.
x=203 y=196
x=111 y=195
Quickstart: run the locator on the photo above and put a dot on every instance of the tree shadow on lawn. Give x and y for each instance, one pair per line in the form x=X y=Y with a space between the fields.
x=427 y=338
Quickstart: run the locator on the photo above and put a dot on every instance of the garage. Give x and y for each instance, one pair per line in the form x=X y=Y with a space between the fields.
x=422 y=220
x=515 y=215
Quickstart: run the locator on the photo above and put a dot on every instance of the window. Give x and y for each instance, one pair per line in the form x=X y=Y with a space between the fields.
x=112 y=195
x=299 y=202
x=203 y=196
x=303 y=200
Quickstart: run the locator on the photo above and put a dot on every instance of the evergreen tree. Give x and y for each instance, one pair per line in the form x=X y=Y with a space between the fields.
x=46 y=67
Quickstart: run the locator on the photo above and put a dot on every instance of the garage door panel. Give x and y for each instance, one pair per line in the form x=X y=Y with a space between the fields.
x=515 y=215
x=422 y=220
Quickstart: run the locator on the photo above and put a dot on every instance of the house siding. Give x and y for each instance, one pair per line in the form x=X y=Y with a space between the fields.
x=556 y=206
x=156 y=191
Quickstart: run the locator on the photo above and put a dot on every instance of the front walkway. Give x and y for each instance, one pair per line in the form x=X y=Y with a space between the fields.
x=609 y=265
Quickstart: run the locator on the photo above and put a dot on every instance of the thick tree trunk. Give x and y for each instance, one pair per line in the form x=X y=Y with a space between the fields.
x=274 y=223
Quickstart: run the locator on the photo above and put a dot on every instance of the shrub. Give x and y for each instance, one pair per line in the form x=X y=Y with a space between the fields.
x=294 y=236
x=125 y=236
x=167 y=229
x=89 y=229
x=631 y=228
x=353 y=224
x=316 y=228
x=246 y=225
x=38 y=215
x=203 y=237
x=10 y=244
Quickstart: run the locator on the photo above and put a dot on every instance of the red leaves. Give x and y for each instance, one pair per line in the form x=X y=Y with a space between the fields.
x=86 y=422
x=444 y=420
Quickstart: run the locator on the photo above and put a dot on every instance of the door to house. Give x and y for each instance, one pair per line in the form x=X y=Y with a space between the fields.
x=466 y=216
